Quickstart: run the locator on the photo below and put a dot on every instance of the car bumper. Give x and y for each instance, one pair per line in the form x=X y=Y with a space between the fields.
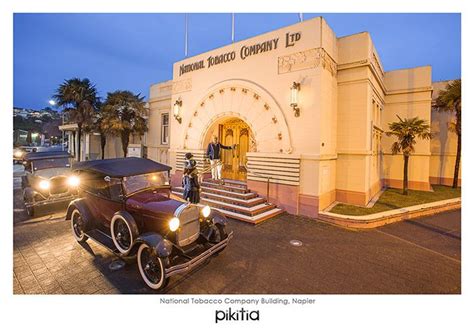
x=52 y=200
x=188 y=265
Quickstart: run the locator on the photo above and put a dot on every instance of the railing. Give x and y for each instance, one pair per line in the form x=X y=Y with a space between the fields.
x=263 y=176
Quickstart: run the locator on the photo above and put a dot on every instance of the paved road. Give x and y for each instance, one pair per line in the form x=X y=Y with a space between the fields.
x=415 y=256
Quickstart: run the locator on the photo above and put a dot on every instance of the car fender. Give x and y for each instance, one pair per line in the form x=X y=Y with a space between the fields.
x=80 y=204
x=28 y=194
x=218 y=218
x=130 y=221
x=162 y=246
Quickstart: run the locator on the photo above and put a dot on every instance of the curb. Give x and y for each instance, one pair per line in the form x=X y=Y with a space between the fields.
x=391 y=216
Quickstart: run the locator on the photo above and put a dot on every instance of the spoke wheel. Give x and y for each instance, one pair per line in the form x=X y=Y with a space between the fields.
x=122 y=235
x=151 y=268
x=76 y=226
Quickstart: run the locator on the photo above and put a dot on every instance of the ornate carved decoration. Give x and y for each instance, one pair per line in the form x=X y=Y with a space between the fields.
x=256 y=96
x=195 y=113
x=232 y=89
x=244 y=90
x=274 y=119
x=211 y=96
x=221 y=91
x=244 y=131
x=181 y=86
x=202 y=104
x=280 y=136
x=311 y=58
x=228 y=132
x=266 y=106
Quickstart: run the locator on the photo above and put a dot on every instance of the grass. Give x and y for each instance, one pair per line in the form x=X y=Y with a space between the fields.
x=393 y=199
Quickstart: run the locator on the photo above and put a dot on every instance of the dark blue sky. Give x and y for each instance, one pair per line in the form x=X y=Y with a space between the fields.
x=132 y=51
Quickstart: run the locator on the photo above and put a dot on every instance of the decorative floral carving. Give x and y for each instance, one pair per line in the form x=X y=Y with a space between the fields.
x=211 y=96
x=311 y=58
x=195 y=113
x=221 y=91
x=266 y=106
x=244 y=90
x=202 y=104
x=232 y=89
x=256 y=96
x=274 y=119
x=280 y=136
x=181 y=86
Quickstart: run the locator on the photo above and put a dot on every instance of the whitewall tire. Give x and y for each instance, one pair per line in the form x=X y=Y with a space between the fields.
x=76 y=222
x=122 y=234
x=151 y=268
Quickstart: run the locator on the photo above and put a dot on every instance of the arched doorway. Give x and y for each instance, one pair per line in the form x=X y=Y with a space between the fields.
x=231 y=130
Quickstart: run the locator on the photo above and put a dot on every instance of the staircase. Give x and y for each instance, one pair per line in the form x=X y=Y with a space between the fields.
x=235 y=200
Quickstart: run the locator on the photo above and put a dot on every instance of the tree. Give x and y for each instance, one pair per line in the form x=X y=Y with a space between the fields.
x=78 y=97
x=407 y=131
x=450 y=100
x=123 y=115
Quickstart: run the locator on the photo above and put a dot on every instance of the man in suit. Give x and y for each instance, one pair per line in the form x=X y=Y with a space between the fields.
x=214 y=155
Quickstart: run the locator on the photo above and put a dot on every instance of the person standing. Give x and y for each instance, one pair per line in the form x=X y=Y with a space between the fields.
x=191 y=187
x=214 y=155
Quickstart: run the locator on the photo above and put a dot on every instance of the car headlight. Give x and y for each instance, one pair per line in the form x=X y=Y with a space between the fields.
x=18 y=154
x=73 y=181
x=44 y=185
x=174 y=224
x=206 y=211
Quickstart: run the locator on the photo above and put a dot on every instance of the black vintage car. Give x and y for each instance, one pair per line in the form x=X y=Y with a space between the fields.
x=127 y=206
x=47 y=179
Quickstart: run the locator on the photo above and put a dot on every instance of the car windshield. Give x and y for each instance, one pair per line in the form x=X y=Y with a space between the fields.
x=51 y=163
x=139 y=182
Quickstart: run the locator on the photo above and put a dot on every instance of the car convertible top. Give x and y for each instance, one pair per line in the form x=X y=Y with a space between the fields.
x=121 y=167
x=46 y=155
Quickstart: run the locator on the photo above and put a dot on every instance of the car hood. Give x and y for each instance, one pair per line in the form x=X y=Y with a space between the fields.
x=156 y=203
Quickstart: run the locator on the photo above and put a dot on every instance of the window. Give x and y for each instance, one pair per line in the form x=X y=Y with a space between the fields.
x=165 y=128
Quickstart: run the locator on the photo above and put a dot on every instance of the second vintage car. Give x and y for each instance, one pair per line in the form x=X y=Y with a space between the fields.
x=127 y=206
x=47 y=179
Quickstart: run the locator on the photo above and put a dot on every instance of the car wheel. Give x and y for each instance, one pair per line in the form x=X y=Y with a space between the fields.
x=30 y=210
x=151 y=268
x=121 y=235
x=220 y=235
x=76 y=225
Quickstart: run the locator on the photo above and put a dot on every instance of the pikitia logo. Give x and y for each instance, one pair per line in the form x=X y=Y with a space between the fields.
x=237 y=315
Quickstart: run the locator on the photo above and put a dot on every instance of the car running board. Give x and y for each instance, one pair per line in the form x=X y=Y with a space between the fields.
x=103 y=239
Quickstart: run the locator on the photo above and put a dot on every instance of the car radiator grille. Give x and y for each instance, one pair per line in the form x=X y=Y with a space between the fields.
x=189 y=225
x=58 y=185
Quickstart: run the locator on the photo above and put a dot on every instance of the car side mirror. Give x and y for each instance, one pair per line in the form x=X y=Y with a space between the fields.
x=107 y=179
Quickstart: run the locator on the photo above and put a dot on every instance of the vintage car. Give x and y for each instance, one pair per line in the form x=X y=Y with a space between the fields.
x=127 y=206
x=47 y=179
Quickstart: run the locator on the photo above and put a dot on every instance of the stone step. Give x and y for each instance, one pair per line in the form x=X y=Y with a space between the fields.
x=228 y=199
x=244 y=196
x=237 y=183
x=244 y=210
x=226 y=187
x=253 y=219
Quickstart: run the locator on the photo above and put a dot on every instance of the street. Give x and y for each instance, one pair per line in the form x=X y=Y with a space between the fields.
x=410 y=257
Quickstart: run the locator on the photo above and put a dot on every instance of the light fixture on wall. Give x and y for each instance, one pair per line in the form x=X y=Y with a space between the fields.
x=295 y=89
x=177 y=110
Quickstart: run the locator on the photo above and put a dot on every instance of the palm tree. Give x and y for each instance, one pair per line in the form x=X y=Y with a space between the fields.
x=450 y=100
x=122 y=115
x=407 y=130
x=96 y=126
x=79 y=99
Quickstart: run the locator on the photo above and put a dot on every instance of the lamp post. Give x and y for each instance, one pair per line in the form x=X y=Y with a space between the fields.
x=53 y=103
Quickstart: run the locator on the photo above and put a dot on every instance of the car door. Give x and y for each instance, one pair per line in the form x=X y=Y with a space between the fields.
x=99 y=199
